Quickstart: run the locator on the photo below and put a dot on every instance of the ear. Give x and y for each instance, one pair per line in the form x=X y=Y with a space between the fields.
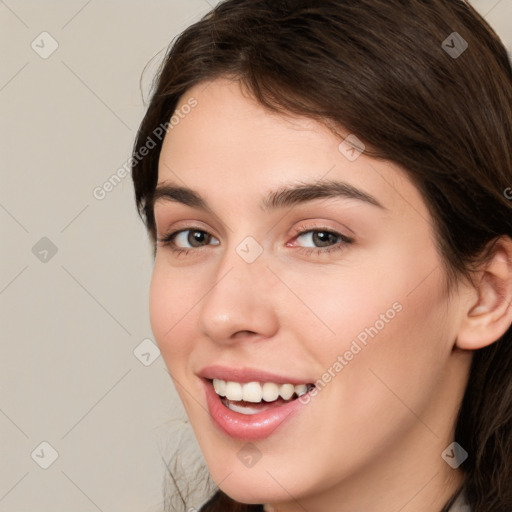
x=489 y=314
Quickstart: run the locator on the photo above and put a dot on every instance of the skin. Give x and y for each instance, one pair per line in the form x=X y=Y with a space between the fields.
x=372 y=439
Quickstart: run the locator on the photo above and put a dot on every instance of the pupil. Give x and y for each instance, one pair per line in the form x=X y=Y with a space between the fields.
x=323 y=238
x=197 y=238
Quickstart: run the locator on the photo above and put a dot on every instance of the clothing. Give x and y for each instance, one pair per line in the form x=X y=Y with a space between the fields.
x=460 y=504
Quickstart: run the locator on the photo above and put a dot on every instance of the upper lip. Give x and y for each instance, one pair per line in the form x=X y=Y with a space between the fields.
x=247 y=375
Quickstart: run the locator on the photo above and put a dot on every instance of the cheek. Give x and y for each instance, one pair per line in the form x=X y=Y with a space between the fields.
x=400 y=363
x=375 y=290
x=332 y=310
x=171 y=303
x=390 y=321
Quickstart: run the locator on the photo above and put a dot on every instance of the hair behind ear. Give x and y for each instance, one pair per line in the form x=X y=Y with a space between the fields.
x=484 y=428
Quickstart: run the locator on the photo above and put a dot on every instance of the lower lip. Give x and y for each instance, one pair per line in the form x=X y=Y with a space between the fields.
x=244 y=426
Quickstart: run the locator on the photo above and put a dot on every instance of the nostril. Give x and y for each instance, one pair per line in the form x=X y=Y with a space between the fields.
x=244 y=333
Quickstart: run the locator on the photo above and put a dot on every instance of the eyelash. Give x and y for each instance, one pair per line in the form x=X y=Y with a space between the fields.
x=168 y=241
x=308 y=251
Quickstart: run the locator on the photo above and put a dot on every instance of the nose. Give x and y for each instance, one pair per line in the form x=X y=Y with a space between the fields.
x=240 y=303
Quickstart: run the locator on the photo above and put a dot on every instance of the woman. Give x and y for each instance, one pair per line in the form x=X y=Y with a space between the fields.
x=332 y=284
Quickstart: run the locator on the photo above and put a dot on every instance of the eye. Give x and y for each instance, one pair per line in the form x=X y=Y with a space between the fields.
x=186 y=239
x=319 y=241
x=318 y=238
x=192 y=238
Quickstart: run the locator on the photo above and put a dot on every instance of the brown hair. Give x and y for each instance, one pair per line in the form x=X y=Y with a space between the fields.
x=380 y=70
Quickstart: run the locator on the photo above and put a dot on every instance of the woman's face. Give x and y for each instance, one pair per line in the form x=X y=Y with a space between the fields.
x=299 y=261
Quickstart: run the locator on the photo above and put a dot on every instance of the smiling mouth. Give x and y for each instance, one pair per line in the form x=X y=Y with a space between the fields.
x=255 y=397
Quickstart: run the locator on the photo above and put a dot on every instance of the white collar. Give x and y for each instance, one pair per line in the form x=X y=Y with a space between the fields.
x=460 y=504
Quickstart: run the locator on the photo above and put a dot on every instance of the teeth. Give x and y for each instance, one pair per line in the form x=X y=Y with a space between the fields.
x=255 y=392
x=219 y=386
x=248 y=411
x=251 y=392
x=233 y=391
x=301 y=389
x=286 y=391
x=270 y=391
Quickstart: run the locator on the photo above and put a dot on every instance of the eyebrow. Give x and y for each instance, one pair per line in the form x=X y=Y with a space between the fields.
x=183 y=195
x=285 y=196
x=292 y=195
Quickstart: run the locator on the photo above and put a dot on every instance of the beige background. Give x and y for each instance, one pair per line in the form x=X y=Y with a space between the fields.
x=71 y=321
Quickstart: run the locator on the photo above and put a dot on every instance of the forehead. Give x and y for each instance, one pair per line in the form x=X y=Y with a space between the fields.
x=227 y=121
x=230 y=146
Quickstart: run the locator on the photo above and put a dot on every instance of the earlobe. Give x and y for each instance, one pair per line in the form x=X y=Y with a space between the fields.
x=487 y=320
